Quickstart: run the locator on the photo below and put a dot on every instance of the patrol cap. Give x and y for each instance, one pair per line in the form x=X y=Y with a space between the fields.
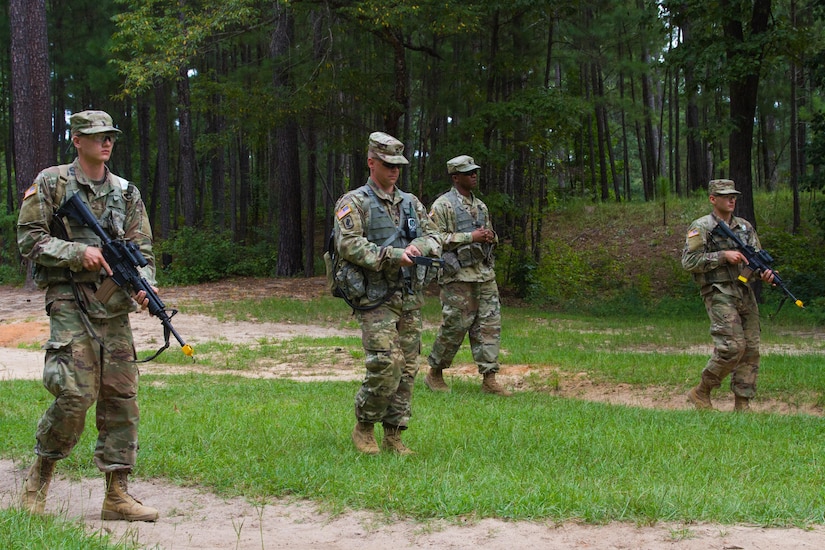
x=386 y=148
x=722 y=187
x=91 y=122
x=462 y=163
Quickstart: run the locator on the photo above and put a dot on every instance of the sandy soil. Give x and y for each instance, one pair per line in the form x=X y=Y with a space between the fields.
x=197 y=519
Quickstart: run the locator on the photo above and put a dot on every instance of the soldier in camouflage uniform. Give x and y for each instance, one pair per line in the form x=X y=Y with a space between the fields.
x=90 y=352
x=469 y=294
x=731 y=305
x=377 y=229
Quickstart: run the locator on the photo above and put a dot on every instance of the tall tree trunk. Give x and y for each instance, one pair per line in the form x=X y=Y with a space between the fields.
x=600 y=131
x=30 y=91
x=187 y=151
x=243 y=189
x=162 y=167
x=640 y=143
x=31 y=111
x=651 y=158
x=286 y=142
x=605 y=132
x=797 y=129
x=144 y=144
x=743 y=85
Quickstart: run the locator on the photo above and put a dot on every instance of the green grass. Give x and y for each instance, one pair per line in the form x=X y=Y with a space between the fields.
x=20 y=530
x=533 y=456
x=647 y=351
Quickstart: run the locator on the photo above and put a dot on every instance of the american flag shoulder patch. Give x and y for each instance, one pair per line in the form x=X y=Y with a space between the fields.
x=344 y=211
x=30 y=191
x=693 y=233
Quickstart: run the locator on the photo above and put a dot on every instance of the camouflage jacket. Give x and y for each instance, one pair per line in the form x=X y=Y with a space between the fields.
x=377 y=262
x=117 y=205
x=473 y=262
x=702 y=255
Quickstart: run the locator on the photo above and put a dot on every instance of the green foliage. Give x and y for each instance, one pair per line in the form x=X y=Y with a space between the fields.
x=12 y=271
x=200 y=255
x=156 y=39
x=564 y=273
x=20 y=529
x=798 y=260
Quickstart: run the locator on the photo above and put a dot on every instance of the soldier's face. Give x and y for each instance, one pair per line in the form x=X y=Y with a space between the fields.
x=384 y=173
x=465 y=182
x=723 y=204
x=94 y=148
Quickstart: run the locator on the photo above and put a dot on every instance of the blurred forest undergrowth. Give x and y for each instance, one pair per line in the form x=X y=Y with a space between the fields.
x=597 y=258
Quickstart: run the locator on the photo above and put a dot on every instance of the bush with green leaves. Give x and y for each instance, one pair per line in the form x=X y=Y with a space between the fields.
x=12 y=270
x=193 y=256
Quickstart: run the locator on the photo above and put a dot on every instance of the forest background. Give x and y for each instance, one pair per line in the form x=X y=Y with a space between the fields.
x=243 y=121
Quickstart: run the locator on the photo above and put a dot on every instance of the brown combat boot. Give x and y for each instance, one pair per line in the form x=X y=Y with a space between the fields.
x=700 y=396
x=435 y=381
x=364 y=438
x=741 y=404
x=392 y=441
x=119 y=504
x=490 y=385
x=36 y=486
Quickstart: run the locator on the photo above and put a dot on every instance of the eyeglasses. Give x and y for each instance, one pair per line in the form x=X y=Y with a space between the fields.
x=103 y=138
x=390 y=166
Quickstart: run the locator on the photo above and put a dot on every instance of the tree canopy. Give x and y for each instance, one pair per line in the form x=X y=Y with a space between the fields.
x=251 y=117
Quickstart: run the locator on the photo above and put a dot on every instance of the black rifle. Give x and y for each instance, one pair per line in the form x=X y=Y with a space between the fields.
x=428 y=263
x=437 y=263
x=758 y=261
x=124 y=257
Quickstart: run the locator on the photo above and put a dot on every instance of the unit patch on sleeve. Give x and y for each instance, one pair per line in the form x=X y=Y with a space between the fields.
x=344 y=216
x=694 y=239
x=344 y=211
x=30 y=191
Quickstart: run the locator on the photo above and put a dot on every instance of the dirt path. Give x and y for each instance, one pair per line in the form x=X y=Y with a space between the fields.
x=194 y=519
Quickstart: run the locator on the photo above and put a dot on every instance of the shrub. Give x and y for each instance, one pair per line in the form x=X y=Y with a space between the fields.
x=193 y=256
x=12 y=270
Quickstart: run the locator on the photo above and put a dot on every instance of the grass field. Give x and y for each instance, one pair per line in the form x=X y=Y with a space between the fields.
x=533 y=456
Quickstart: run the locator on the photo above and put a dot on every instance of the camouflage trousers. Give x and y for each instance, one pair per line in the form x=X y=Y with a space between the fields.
x=78 y=372
x=470 y=309
x=735 y=328
x=391 y=338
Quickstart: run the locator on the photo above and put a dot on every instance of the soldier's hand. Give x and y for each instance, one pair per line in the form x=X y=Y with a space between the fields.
x=93 y=260
x=142 y=299
x=483 y=235
x=733 y=256
x=767 y=276
x=409 y=252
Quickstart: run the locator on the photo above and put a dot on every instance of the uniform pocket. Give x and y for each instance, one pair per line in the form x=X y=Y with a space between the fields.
x=55 y=370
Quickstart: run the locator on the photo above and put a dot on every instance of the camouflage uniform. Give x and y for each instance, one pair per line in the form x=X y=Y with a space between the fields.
x=78 y=371
x=391 y=331
x=731 y=305
x=469 y=294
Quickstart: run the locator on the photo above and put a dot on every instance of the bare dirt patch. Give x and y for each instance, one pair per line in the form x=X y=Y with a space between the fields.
x=196 y=519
